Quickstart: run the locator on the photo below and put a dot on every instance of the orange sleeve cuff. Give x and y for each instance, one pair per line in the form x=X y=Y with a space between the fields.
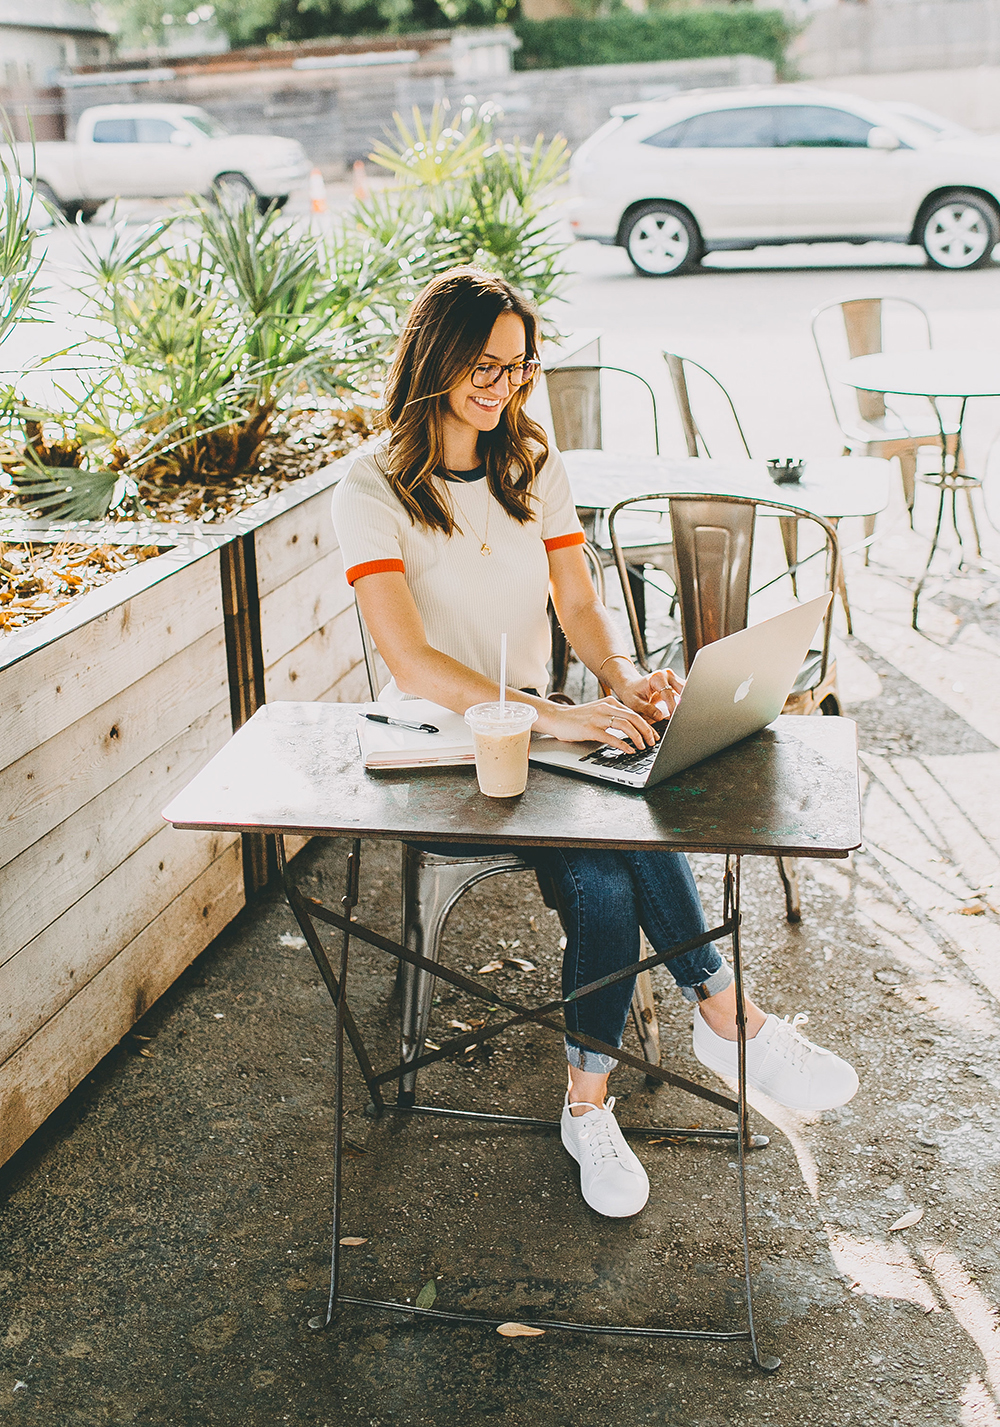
x=374 y=567
x=559 y=542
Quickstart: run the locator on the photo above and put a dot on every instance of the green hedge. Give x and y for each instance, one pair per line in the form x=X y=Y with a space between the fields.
x=625 y=38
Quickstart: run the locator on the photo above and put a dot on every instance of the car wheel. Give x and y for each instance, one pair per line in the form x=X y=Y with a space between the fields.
x=959 y=230
x=233 y=191
x=264 y=205
x=661 y=239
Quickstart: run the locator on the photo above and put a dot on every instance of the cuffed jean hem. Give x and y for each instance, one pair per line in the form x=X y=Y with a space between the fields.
x=718 y=981
x=594 y=1061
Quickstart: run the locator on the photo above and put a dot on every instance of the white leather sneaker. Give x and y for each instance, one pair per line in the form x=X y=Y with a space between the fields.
x=781 y=1063
x=612 y=1180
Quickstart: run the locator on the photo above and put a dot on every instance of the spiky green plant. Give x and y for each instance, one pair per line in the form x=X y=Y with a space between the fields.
x=479 y=199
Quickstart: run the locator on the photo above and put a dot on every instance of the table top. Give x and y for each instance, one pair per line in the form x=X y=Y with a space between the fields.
x=295 y=768
x=834 y=486
x=933 y=371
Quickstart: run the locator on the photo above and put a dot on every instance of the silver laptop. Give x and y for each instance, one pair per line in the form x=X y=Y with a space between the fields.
x=734 y=688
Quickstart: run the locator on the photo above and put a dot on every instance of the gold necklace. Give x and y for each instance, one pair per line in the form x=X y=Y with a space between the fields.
x=484 y=548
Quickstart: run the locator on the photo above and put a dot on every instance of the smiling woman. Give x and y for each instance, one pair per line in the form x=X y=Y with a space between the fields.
x=454 y=533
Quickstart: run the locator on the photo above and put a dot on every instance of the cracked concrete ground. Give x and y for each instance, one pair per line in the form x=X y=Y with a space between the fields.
x=166 y=1231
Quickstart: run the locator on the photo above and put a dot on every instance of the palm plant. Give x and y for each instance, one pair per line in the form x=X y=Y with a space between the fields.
x=18 y=264
x=480 y=199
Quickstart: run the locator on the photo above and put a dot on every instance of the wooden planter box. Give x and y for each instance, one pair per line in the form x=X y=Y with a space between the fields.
x=107 y=708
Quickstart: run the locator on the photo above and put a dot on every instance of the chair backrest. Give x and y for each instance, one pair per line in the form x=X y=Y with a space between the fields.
x=713 y=541
x=575 y=403
x=856 y=327
x=694 y=437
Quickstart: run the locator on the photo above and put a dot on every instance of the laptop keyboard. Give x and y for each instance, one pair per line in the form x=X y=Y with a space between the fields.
x=638 y=762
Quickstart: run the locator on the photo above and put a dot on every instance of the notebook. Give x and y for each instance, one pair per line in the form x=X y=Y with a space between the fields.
x=383 y=746
x=735 y=687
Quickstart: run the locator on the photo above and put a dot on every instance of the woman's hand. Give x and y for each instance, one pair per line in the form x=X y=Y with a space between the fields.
x=654 y=696
x=604 y=721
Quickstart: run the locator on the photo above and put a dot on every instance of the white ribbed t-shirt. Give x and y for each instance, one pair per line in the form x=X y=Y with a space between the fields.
x=466 y=599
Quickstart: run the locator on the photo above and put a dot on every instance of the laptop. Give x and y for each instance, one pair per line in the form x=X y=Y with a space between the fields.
x=735 y=687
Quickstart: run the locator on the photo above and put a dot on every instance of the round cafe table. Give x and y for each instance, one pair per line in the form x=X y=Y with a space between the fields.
x=937 y=373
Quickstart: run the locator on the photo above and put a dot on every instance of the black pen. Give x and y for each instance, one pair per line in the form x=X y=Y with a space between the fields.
x=399 y=723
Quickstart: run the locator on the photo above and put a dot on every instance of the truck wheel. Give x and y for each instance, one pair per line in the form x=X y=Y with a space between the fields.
x=233 y=191
x=661 y=239
x=48 y=196
x=959 y=230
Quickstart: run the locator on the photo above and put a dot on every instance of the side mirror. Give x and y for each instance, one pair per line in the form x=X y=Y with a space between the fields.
x=184 y=140
x=882 y=138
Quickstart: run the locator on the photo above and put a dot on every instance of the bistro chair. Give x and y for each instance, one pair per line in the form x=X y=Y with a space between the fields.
x=713 y=538
x=872 y=423
x=432 y=883
x=733 y=440
x=575 y=402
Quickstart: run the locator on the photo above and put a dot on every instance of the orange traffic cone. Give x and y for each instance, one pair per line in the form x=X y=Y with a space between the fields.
x=360 y=181
x=317 y=191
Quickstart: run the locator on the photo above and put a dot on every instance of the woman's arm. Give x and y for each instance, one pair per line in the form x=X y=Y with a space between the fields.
x=394 y=623
x=597 y=642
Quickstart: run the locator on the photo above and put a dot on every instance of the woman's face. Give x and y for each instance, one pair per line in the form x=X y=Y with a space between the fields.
x=482 y=407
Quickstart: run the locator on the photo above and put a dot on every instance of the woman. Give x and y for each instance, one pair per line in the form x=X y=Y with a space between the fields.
x=459 y=527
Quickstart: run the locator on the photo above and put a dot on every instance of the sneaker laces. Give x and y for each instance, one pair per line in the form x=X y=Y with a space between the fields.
x=598 y=1134
x=791 y=1044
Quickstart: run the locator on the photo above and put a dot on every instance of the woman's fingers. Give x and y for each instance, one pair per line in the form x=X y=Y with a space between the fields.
x=624 y=728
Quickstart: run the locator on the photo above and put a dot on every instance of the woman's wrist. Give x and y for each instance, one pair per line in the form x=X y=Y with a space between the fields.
x=616 y=669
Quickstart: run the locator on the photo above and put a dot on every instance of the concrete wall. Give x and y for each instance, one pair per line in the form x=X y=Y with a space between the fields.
x=887 y=36
x=338 y=114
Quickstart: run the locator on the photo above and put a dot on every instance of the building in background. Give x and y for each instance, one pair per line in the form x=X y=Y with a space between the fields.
x=39 y=41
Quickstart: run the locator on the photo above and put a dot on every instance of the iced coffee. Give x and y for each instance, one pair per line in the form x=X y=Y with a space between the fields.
x=501 y=734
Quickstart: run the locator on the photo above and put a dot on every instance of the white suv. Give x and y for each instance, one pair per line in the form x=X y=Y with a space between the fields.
x=673 y=179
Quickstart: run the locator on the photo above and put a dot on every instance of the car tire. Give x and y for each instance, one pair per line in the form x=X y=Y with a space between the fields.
x=233 y=191
x=277 y=203
x=959 y=231
x=661 y=240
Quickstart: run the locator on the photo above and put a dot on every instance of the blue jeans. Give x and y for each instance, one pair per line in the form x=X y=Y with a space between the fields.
x=604 y=898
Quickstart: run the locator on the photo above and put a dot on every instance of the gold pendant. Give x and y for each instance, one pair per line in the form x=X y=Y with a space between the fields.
x=484 y=549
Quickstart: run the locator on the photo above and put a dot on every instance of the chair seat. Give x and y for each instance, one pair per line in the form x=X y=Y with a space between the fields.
x=808 y=676
x=891 y=428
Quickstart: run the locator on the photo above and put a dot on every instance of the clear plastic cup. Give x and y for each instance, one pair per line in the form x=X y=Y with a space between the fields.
x=501 y=737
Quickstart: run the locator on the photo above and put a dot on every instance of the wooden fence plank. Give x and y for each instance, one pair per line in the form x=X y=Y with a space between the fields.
x=319 y=662
x=57 y=964
x=294 y=541
x=61 y=681
x=51 y=782
x=289 y=614
x=40 y=1075
x=61 y=867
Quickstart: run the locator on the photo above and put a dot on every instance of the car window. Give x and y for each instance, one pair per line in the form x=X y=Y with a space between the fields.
x=153 y=131
x=668 y=138
x=114 y=131
x=730 y=129
x=814 y=126
x=207 y=125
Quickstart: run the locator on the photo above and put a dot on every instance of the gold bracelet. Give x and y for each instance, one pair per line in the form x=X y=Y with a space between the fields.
x=615 y=656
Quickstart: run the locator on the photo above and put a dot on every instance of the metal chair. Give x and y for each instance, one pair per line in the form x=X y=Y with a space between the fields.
x=574 y=394
x=713 y=540
x=855 y=327
x=432 y=883
x=697 y=445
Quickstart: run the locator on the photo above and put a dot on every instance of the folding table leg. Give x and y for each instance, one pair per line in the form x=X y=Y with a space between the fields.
x=731 y=909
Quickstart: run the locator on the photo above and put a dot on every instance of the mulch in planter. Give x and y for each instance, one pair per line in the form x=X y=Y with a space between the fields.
x=36 y=579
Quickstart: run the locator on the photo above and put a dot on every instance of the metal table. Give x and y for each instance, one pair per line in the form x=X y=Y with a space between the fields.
x=833 y=486
x=791 y=790
x=938 y=374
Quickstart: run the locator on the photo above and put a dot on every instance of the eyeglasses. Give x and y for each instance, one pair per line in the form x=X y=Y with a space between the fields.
x=518 y=373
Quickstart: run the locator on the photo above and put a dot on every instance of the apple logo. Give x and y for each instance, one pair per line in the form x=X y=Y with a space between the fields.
x=743 y=690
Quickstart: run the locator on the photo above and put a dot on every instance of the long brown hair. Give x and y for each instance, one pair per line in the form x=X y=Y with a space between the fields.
x=445 y=335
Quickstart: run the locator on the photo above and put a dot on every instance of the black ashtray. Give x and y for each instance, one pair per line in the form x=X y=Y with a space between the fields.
x=785 y=471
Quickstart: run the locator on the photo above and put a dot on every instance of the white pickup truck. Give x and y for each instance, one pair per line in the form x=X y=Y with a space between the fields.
x=160 y=151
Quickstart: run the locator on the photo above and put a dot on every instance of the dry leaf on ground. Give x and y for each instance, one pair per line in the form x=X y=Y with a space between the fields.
x=907 y=1221
x=520 y=963
x=519 y=1330
x=490 y=966
x=351 y=1243
x=427 y=1295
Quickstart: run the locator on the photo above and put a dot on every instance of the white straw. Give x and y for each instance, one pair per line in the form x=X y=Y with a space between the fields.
x=503 y=674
